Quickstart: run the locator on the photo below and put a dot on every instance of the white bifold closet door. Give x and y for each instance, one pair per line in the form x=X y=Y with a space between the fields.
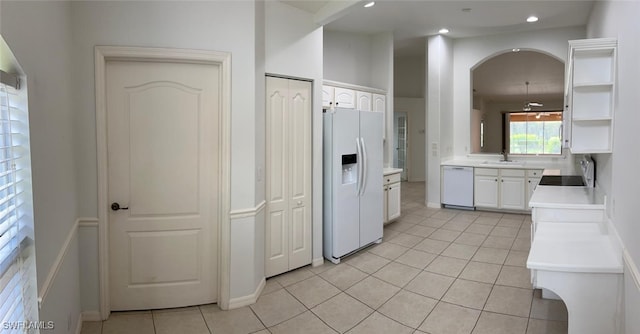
x=288 y=175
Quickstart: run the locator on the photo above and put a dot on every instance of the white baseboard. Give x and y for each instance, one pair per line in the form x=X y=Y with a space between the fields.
x=433 y=205
x=317 y=262
x=247 y=300
x=79 y=325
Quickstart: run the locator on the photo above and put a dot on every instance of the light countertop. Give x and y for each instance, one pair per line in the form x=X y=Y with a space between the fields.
x=551 y=168
x=389 y=171
x=567 y=198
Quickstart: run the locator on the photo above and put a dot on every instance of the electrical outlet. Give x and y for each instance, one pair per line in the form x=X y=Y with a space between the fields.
x=259 y=174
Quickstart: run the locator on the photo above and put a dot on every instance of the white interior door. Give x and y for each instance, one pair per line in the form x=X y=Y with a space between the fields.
x=288 y=184
x=400 y=141
x=163 y=144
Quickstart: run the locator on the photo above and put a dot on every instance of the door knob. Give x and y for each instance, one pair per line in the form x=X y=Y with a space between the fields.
x=115 y=207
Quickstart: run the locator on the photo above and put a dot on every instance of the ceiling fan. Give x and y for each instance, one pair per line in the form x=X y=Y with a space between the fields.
x=528 y=104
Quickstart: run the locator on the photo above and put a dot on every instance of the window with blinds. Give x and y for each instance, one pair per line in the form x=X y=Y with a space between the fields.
x=18 y=291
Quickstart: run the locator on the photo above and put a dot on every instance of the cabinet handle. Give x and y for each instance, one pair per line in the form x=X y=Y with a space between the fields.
x=496 y=180
x=336 y=103
x=330 y=103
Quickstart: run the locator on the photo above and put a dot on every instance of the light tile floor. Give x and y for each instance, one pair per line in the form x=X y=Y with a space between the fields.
x=437 y=271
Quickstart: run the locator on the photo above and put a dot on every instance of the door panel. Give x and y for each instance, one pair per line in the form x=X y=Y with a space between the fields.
x=371 y=200
x=277 y=224
x=393 y=201
x=162 y=125
x=299 y=172
x=178 y=247
x=288 y=181
x=346 y=227
x=152 y=129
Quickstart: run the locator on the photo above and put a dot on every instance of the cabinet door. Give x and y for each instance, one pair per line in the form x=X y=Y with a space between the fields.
x=486 y=191
x=364 y=101
x=532 y=183
x=327 y=96
x=380 y=105
x=385 y=205
x=393 y=201
x=512 y=193
x=345 y=98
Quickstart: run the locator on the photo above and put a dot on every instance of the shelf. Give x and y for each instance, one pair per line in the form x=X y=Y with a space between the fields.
x=592 y=102
x=581 y=85
x=591 y=88
x=592 y=119
x=591 y=136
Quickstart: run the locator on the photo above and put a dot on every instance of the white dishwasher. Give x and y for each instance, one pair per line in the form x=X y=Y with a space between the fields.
x=457 y=190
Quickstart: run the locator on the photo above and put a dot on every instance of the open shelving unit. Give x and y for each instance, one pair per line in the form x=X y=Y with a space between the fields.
x=591 y=94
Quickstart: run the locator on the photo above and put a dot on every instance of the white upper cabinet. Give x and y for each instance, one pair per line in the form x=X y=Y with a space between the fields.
x=590 y=95
x=343 y=95
x=363 y=101
x=379 y=102
x=327 y=96
x=345 y=98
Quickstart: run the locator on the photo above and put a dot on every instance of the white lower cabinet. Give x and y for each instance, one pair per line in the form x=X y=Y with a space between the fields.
x=391 y=190
x=486 y=191
x=496 y=188
x=512 y=190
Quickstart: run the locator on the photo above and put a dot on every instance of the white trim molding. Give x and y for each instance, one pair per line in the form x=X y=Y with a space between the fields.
x=87 y=222
x=91 y=316
x=317 y=262
x=633 y=268
x=249 y=299
x=221 y=59
x=248 y=212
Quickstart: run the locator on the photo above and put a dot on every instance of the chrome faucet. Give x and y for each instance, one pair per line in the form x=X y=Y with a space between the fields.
x=505 y=155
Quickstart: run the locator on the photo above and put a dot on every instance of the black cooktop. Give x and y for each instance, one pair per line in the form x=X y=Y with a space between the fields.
x=561 y=180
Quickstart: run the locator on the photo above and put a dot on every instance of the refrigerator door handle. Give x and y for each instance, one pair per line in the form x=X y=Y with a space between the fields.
x=359 y=161
x=365 y=161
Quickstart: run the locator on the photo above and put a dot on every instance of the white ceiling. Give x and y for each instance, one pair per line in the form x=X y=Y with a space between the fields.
x=412 y=20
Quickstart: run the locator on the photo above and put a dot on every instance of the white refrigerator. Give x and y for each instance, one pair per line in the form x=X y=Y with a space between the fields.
x=352 y=192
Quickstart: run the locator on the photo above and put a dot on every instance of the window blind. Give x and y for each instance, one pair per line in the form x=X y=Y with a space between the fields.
x=18 y=290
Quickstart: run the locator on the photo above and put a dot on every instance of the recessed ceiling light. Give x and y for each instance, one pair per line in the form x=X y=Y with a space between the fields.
x=443 y=31
x=515 y=50
x=532 y=19
x=370 y=4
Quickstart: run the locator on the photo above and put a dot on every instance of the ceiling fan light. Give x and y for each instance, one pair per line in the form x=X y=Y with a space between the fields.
x=532 y=19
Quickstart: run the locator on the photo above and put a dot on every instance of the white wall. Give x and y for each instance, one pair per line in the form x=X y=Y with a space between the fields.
x=39 y=34
x=415 y=109
x=471 y=51
x=409 y=90
x=364 y=60
x=409 y=76
x=347 y=58
x=439 y=125
x=381 y=69
x=617 y=172
x=217 y=25
x=294 y=48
